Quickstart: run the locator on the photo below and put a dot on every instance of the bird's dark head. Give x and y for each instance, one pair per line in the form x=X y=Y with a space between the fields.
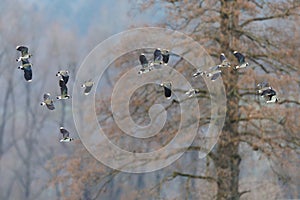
x=57 y=74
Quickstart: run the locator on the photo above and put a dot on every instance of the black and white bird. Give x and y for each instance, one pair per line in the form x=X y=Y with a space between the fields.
x=167 y=89
x=48 y=102
x=193 y=92
x=269 y=95
x=165 y=56
x=26 y=67
x=63 y=90
x=224 y=62
x=66 y=135
x=24 y=53
x=146 y=67
x=241 y=60
x=88 y=86
x=64 y=74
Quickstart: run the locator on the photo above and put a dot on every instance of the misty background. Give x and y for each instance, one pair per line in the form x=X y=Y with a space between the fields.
x=34 y=165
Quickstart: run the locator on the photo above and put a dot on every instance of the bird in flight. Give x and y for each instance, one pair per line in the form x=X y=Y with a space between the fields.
x=63 y=90
x=269 y=95
x=66 y=135
x=88 y=86
x=241 y=60
x=48 y=101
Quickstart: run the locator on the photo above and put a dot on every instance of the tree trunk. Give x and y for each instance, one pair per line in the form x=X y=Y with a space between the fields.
x=226 y=157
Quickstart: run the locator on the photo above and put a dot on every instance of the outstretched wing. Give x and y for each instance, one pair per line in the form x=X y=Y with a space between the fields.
x=64 y=91
x=46 y=96
x=143 y=60
x=167 y=89
x=157 y=55
x=25 y=62
x=64 y=132
x=50 y=106
x=66 y=79
x=165 y=56
x=268 y=92
x=22 y=49
x=168 y=92
x=63 y=88
x=240 y=57
x=222 y=57
x=87 y=89
x=28 y=74
x=215 y=76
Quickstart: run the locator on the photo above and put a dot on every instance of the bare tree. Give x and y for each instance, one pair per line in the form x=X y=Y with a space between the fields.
x=251 y=126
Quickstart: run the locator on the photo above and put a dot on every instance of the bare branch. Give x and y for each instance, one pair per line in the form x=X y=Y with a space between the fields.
x=208 y=178
x=286 y=13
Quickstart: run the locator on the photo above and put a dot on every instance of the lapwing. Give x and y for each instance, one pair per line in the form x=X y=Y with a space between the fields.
x=167 y=89
x=24 y=53
x=269 y=95
x=88 y=87
x=66 y=135
x=146 y=67
x=64 y=74
x=48 y=101
x=241 y=60
x=63 y=90
x=26 y=67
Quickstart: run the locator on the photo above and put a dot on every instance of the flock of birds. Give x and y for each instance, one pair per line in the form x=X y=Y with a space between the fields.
x=161 y=57
x=63 y=75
